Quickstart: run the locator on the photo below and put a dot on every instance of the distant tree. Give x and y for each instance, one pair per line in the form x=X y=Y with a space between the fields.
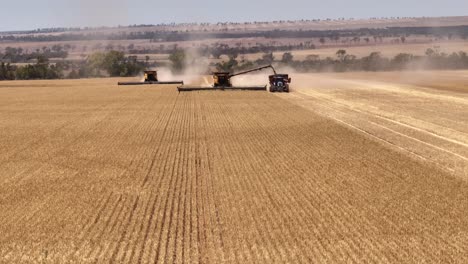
x=229 y=65
x=267 y=58
x=116 y=64
x=336 y=38
x=6 y=72
x=431 y=52
x=57 y=48
x=373 y=62
x=357 y=39
x=312 y=57
x=246 y=65
x=350 y=58
x=109 y=47
x=113 y=62
x=95 y=63
x=401 y=60
x=41 y=70
x=287 y=58
x=41 y=59
x=177 y=59
x=341 y=54
x=73 y=75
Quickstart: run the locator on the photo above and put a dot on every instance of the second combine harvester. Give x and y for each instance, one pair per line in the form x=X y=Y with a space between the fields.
x=151 y=77
x=222 y=81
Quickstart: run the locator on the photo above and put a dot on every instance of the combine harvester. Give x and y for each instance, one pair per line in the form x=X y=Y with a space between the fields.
x=222 y=81
x=151 y=77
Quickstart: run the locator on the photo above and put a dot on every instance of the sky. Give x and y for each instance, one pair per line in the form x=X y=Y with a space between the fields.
x=33 y=14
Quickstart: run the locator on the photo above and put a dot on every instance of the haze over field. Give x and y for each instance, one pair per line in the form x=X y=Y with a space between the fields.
x=60 y=13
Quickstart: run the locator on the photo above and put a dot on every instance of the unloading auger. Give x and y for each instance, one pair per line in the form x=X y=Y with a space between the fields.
x=222 y=81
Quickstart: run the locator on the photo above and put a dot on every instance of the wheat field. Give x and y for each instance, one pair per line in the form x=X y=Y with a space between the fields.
x=91 y=172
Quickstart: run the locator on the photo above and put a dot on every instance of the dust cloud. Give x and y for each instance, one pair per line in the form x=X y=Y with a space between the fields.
x=196 y=70
x=257 y=79
x=189 y=77
x=261 y=77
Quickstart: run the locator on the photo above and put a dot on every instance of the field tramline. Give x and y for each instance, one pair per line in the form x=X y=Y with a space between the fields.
x=92 y=172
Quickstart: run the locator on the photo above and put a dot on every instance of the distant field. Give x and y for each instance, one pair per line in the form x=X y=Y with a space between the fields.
x=389 y=50
x=348 y=168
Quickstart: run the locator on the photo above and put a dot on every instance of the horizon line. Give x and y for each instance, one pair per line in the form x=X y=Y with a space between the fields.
x=175 y=24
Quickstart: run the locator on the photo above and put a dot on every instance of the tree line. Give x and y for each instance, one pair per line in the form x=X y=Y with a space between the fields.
x=17 y=55
x=42 y=69
x=172 y=36
x=341 y=62
x=115 y=63
x=217 y=49
x=100 y=64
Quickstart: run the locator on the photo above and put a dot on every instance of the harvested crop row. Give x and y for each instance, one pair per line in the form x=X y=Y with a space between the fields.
x=423 y=122
x=157 y=176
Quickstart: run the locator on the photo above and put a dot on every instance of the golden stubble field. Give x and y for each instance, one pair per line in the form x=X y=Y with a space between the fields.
x=93 y=172
x=422 y=114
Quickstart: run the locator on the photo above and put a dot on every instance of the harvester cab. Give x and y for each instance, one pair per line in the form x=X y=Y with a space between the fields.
x=279 y=83
x=222 y=81
x=151 y=77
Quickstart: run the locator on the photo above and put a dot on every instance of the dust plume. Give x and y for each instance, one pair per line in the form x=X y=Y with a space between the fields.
x=195 y=67
x=257 y=79
x=196 y=70
x=166 y=74
x=260 y=78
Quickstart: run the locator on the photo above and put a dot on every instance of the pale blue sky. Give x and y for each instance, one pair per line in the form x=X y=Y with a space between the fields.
x=32 y=14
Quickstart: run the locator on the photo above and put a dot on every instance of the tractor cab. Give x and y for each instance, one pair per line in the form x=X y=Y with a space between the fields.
x=279 y=83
